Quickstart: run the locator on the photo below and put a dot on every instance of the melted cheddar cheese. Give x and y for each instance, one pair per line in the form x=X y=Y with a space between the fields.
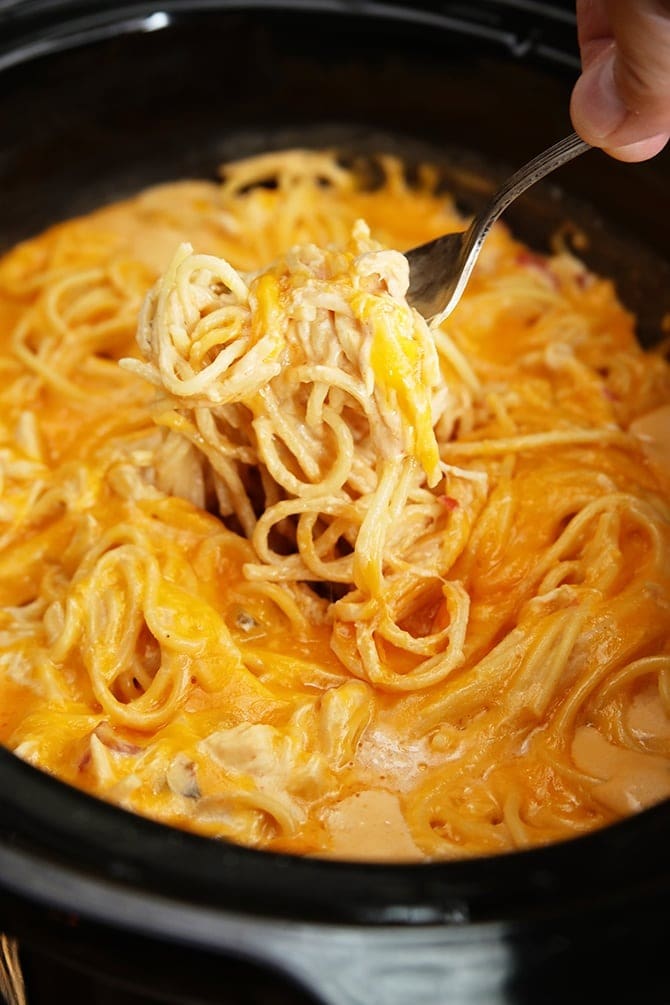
x=476 y=661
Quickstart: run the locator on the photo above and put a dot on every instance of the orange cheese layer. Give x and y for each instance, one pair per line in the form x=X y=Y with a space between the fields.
x=139 y=663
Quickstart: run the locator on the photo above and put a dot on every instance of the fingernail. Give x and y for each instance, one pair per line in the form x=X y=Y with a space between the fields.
x=601 y=105
x=642 y=150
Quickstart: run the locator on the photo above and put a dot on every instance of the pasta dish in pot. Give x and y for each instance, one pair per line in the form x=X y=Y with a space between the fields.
x=285 y=564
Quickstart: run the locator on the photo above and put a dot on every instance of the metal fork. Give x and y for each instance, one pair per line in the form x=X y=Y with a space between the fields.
x=439 y=270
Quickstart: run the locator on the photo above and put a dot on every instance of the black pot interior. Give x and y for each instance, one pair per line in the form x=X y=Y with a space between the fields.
x=121 y=98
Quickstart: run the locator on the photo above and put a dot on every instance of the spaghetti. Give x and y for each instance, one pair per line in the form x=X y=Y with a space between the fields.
x=284 y=564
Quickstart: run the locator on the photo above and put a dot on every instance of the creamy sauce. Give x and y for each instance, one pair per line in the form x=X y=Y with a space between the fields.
x=370 y=826
x=647 y=717
x=653 y=429
x=630 y=781
x=385 y=758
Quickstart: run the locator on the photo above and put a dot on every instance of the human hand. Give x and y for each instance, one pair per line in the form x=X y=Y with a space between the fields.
x=621 y=102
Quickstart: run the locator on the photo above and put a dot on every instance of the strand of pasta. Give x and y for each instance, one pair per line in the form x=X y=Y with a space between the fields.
x=535 y=441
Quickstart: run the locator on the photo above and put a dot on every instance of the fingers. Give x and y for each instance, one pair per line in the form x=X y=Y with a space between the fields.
x=621 y=102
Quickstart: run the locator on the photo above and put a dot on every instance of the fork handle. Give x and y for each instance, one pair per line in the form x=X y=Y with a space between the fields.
x=543 y=164
x=473 y=238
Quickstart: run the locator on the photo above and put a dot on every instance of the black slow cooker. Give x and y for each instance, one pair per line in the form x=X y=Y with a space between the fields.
x=98 y=100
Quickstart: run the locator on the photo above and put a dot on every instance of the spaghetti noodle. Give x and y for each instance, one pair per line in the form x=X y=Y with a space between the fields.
x=284 y=564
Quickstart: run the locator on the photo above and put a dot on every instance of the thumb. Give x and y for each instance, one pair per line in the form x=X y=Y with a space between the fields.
x=621 y=102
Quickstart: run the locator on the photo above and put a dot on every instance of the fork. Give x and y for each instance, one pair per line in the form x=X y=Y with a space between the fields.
x=440 y=269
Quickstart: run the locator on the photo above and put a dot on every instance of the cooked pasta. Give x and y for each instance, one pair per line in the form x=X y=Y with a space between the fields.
x=284 y=563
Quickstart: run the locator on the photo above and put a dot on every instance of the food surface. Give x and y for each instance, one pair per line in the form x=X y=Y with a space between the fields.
x=285 y=564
